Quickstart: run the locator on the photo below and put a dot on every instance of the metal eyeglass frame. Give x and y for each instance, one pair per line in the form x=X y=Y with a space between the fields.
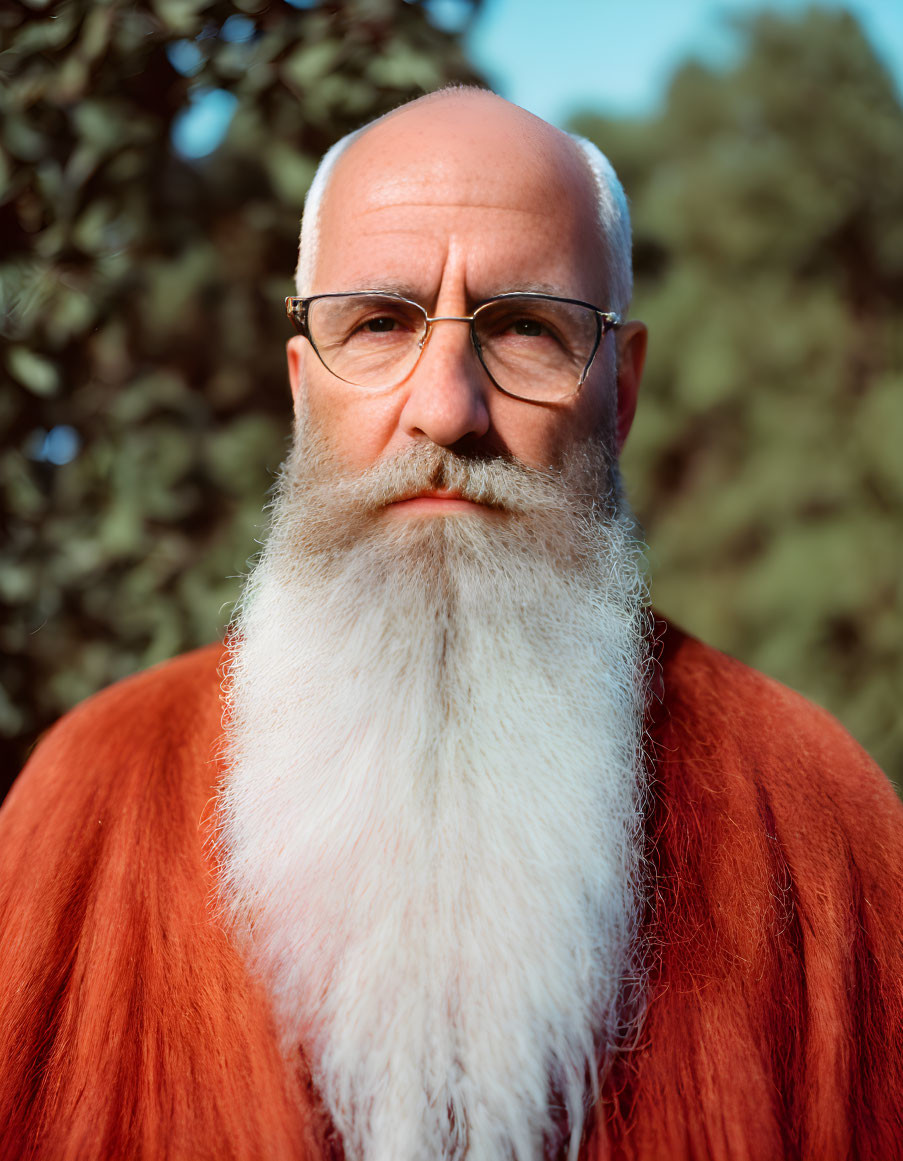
x=297 y=310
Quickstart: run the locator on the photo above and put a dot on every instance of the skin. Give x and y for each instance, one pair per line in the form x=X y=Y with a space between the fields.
x=450 y=201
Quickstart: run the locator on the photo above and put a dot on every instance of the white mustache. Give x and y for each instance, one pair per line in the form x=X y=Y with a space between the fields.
x=502 y=483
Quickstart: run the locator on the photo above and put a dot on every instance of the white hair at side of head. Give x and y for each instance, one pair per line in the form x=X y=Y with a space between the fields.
x=310 y=222
x=611 y=204
x=614 y=222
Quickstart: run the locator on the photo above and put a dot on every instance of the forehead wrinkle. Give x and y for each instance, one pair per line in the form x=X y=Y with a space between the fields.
x=449 y=205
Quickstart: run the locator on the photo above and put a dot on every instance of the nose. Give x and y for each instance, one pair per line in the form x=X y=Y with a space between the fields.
x=446 y=399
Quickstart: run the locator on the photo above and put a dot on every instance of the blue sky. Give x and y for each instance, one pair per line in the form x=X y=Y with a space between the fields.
x=555 y=56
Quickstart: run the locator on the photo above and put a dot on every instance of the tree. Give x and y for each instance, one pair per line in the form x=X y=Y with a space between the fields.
x=765 y=462
x=146 y=405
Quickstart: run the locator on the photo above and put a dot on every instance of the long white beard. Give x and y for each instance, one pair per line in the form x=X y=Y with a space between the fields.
x=431 y=815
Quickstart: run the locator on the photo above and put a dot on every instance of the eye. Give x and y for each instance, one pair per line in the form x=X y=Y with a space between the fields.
x=521 y=326
x=528 y=327
x=389 y=323
x=381 y=325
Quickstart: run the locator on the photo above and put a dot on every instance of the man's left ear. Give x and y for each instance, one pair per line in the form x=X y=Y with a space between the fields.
x=631 y=340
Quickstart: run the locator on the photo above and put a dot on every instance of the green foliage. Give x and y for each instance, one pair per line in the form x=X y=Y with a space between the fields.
x=142 y=308
x=765 y=461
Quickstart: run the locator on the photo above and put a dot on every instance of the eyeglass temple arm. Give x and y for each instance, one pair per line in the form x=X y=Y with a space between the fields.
x=296 y=309
x=609 y=321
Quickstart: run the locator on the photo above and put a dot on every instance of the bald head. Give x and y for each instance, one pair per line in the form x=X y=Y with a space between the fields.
x=470 y=144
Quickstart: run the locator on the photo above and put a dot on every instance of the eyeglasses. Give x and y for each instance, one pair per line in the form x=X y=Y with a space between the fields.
x=532 y=346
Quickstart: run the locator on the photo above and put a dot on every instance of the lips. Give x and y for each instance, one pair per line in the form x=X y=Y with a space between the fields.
x=438 y=494
x=436 y=499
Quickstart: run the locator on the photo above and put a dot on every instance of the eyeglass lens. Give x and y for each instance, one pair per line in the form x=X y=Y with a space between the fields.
x=535 y=348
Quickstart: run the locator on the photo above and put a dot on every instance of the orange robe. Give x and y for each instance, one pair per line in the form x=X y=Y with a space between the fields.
x=774 y=1024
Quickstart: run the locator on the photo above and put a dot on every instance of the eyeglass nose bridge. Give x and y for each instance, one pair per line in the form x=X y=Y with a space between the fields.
x=468 y=318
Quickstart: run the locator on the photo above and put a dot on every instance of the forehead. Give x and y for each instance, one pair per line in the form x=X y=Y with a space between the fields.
x=473 y=189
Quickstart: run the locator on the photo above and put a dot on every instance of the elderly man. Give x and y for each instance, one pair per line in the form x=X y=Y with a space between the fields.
x=482 y=861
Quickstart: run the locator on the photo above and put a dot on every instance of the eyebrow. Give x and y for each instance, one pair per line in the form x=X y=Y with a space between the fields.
x=535 y=288
x=408 y=290
x=401 y=289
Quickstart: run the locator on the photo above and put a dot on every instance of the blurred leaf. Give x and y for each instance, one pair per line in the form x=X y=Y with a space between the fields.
x=33 y=371
x=310 y=63
x=289 y=171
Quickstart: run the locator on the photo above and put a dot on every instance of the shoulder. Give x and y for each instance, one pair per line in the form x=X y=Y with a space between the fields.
x=157 y=699
x=150 y=723
x=751 y=719
x=746 y=751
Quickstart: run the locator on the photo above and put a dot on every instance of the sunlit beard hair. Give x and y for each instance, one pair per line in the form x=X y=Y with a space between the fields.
x=431 y=814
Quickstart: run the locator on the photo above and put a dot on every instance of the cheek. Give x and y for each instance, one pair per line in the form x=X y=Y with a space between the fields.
x=541 y=436
x=536 y=439
x=356 y=427
x=594 y=414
